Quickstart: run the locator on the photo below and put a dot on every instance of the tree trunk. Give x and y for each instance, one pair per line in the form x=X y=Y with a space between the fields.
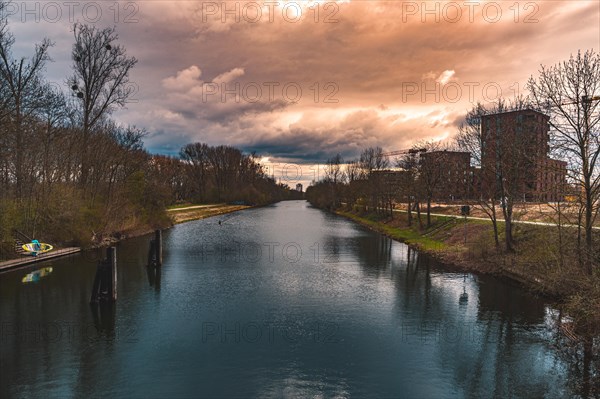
x=508 y=226
x=496 y=240
x=588 y=225
x=428 y=211
x=495 y=224
x=84 y=154
x=18 y=154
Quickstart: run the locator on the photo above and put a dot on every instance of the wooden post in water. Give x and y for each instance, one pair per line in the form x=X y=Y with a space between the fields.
x=155 y=259
x=111 y=256
x=158 y=247
x=96 y=286
x=104 y=288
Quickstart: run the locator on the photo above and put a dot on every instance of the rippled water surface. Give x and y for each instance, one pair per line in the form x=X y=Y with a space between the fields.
x=284 y=300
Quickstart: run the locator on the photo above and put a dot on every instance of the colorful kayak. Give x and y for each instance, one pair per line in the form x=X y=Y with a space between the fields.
x=37 y=248
x=37 y=275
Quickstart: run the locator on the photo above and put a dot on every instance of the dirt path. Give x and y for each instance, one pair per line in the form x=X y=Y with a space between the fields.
x=187 y=214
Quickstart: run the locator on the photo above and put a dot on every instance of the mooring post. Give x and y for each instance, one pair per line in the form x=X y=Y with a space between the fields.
x=111 y=255
x=96 y=286
x=151 y=254
x=158 y=247
x=104 y=288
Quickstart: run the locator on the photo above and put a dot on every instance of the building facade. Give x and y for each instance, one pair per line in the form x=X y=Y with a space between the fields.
x=450 y=174
x=514 y=153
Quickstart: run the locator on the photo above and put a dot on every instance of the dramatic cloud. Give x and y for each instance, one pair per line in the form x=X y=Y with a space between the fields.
x=301 y=81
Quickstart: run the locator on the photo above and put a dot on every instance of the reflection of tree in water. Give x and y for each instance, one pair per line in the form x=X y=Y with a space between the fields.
x=499 y=297
x=501 y=350
x=582 y=357
x=502 y=354
x=498 y=351
x=332 y=251
x=373 y=251
x=509 y=304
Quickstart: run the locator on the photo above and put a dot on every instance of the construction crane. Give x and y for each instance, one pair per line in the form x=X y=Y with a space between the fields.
x=584 y=99
x=412 y=151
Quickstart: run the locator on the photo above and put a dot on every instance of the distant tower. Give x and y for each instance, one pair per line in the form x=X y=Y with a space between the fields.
x=299 y=187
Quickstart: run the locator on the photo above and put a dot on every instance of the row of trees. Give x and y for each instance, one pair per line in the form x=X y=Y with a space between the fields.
x=204 y=173
x=375 y=183
x=353 y=182
x=69 y=172
x=63 y=161
x=568 y=93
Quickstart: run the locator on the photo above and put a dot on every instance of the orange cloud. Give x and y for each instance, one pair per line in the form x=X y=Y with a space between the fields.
x=333 y=76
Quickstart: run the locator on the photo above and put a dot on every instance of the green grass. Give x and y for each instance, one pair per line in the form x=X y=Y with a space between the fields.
x=407 y=235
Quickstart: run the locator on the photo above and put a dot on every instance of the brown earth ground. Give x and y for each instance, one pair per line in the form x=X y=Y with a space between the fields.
x=186 y=214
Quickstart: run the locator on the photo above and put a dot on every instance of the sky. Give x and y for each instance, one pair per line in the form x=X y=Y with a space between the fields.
x=300 y=81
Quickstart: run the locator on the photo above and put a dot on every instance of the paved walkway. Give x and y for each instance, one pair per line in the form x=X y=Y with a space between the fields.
x=27 y=260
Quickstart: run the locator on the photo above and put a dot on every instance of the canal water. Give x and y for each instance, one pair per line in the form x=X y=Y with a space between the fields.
x=280 y=301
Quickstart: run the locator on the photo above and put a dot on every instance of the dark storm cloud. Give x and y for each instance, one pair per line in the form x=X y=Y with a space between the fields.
x=372 y=56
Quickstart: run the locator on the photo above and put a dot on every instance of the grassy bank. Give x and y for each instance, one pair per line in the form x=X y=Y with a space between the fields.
x=130 y=227
x=404 y=233
x=544 y=260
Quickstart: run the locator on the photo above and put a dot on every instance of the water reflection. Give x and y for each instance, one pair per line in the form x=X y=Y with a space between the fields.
x=464 y=297
x=35 y=276
x=103 y=314
x=154 y=276
x=284 y=300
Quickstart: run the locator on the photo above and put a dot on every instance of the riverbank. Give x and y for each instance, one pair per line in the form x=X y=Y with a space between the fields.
x=542 y=262
x=176 y=215
x=189 y=213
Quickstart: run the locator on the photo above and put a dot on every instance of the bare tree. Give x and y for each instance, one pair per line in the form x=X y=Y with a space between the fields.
x=503 y=153
x=23 y=89
x=335 y=176
x=372 y=161
x=409 y=165
x=431 y=169
x=334 y=169
x=355 y=180
x=469 y=138
x=195 y=155
x=569 y=92
x=53 y=117
x=100 y=80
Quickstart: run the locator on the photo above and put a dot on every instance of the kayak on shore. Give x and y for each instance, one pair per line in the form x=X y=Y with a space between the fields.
x=35 y=247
